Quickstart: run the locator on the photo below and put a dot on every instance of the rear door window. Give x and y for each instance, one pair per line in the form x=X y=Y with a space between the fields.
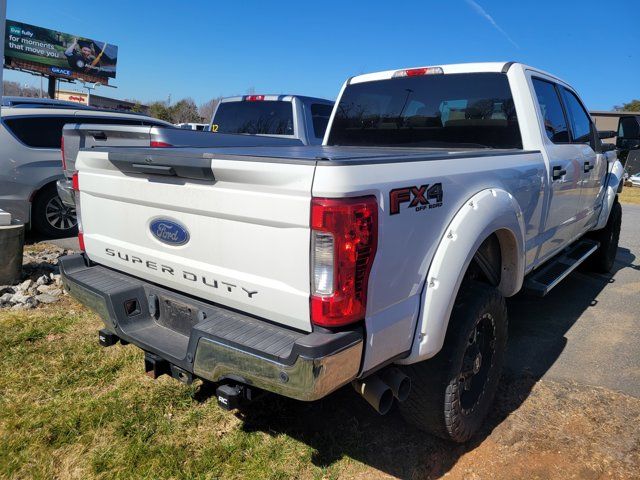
x=38 y=132
x=578 y=118
x=260 y=117
x=46 y=132
x=320 y=114
x=555 y=123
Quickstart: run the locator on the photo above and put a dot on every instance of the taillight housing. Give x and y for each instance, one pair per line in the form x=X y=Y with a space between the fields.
x=344 y=238
x=75 y=184
x=416 y=72
x=64 y=160
x=254 y=98
x=157 y=144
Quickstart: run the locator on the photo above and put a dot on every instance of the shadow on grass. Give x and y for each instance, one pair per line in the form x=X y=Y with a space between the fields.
x=343 y=424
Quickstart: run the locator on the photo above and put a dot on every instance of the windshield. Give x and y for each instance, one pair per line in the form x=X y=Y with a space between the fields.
x=254 y=117
x=454 y=110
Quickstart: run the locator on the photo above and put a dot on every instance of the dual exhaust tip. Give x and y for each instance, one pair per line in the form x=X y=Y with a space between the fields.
x=379 y=390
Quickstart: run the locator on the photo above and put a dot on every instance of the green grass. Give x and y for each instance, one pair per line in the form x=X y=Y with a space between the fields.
x=630 y=195
x=70 y=409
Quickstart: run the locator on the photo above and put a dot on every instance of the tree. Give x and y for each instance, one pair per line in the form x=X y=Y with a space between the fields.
x=14 y=89
x=185 y=111
x=206 y=109
x=632 y=106
x=160 y=111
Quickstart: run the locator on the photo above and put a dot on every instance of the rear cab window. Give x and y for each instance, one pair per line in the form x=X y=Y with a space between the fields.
x=259 y=117
x=320 y=114
x=467 y=110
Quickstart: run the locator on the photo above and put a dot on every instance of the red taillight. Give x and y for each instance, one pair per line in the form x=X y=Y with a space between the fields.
x=156 y=144
x=64 y=160
x=344 y=241
x=254 y=98
x=75 y=184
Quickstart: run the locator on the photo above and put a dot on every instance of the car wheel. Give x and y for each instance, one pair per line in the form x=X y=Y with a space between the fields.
x=52 y=218
x=608 y=237
x=452 y=392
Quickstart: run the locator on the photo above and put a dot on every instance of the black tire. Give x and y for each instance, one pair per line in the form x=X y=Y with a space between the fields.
x=452 y=392
x=609 y=237
x=50 y=217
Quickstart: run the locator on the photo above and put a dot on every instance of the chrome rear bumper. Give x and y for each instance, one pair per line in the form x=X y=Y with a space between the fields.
x=304 y=366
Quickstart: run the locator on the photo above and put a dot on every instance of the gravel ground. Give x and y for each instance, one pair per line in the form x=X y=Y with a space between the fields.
x=40 y=282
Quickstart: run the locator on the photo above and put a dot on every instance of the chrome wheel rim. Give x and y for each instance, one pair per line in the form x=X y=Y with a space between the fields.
x=59 y=216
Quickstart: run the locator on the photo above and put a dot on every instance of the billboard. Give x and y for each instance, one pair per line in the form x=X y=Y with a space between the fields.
x=48 y=52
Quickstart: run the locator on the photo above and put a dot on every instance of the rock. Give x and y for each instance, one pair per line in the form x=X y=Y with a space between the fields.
x=46 y=298
x=6 y=298
x=31 y=302
x=43 y=280
x=57 y=278
x=20 y=297
x=24 y=286
x=6 y=289
x=48 y=288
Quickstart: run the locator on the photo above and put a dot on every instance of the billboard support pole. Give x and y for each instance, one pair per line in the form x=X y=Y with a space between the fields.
x=51 y=89
x=3 y=20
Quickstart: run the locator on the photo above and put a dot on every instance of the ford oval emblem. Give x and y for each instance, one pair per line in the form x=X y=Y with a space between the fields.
x=169 y=231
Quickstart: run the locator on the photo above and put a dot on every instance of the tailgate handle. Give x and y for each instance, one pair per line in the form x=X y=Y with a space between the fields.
x=154 y=169
x=99 y=136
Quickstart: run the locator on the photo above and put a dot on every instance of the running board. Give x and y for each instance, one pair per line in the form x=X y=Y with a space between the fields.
x=541 y=282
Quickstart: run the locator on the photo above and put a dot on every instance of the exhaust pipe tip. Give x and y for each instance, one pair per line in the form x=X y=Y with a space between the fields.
x=398 y=382
x=377 y=393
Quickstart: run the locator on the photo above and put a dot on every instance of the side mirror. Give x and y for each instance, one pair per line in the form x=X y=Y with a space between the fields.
x=628 y=143
x=608 y=147
x=604 y=134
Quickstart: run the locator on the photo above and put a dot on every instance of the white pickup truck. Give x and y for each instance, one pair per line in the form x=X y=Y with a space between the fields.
x=381 y=258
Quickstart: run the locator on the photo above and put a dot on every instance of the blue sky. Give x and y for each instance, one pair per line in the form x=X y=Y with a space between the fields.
x=204 y=49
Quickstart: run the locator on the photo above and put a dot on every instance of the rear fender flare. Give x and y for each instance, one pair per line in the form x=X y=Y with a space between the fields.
x=613 y=187
x=487 y=212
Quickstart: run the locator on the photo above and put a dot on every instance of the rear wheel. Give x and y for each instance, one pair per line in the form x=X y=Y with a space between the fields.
x=453 y=391
x=609 y=237
x=52 y=218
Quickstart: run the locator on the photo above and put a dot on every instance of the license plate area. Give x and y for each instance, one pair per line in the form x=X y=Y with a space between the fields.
x=178 y=316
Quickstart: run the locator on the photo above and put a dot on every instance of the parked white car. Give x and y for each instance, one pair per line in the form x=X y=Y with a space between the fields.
x=31 y=163
x=635 y=180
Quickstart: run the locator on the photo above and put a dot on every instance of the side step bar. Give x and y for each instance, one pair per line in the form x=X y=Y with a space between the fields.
x=541 y=282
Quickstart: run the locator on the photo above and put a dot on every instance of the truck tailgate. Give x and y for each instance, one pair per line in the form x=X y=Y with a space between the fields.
x=232 y=232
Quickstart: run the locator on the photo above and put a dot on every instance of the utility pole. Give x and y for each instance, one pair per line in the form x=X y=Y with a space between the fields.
x=3 y=21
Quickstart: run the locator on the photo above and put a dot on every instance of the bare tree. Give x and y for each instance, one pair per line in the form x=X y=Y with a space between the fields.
x=207 y=108
x=15 y=89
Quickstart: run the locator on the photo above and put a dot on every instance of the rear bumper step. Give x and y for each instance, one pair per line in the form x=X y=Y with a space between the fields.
x=205 y=340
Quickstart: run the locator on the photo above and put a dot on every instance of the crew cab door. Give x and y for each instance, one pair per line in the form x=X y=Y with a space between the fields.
x=594 y=165
x=565 y=169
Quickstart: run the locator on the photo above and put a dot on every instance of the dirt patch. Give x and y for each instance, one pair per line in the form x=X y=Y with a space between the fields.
x=560 y=431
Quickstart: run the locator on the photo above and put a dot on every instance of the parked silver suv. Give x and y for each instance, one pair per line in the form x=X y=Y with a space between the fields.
x=30 y=159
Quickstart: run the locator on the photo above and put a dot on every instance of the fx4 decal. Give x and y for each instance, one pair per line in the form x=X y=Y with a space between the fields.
x=420 y=198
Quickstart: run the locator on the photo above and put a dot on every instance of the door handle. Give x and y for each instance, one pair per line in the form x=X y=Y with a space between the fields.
x=558 y=172
x=588 y=167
